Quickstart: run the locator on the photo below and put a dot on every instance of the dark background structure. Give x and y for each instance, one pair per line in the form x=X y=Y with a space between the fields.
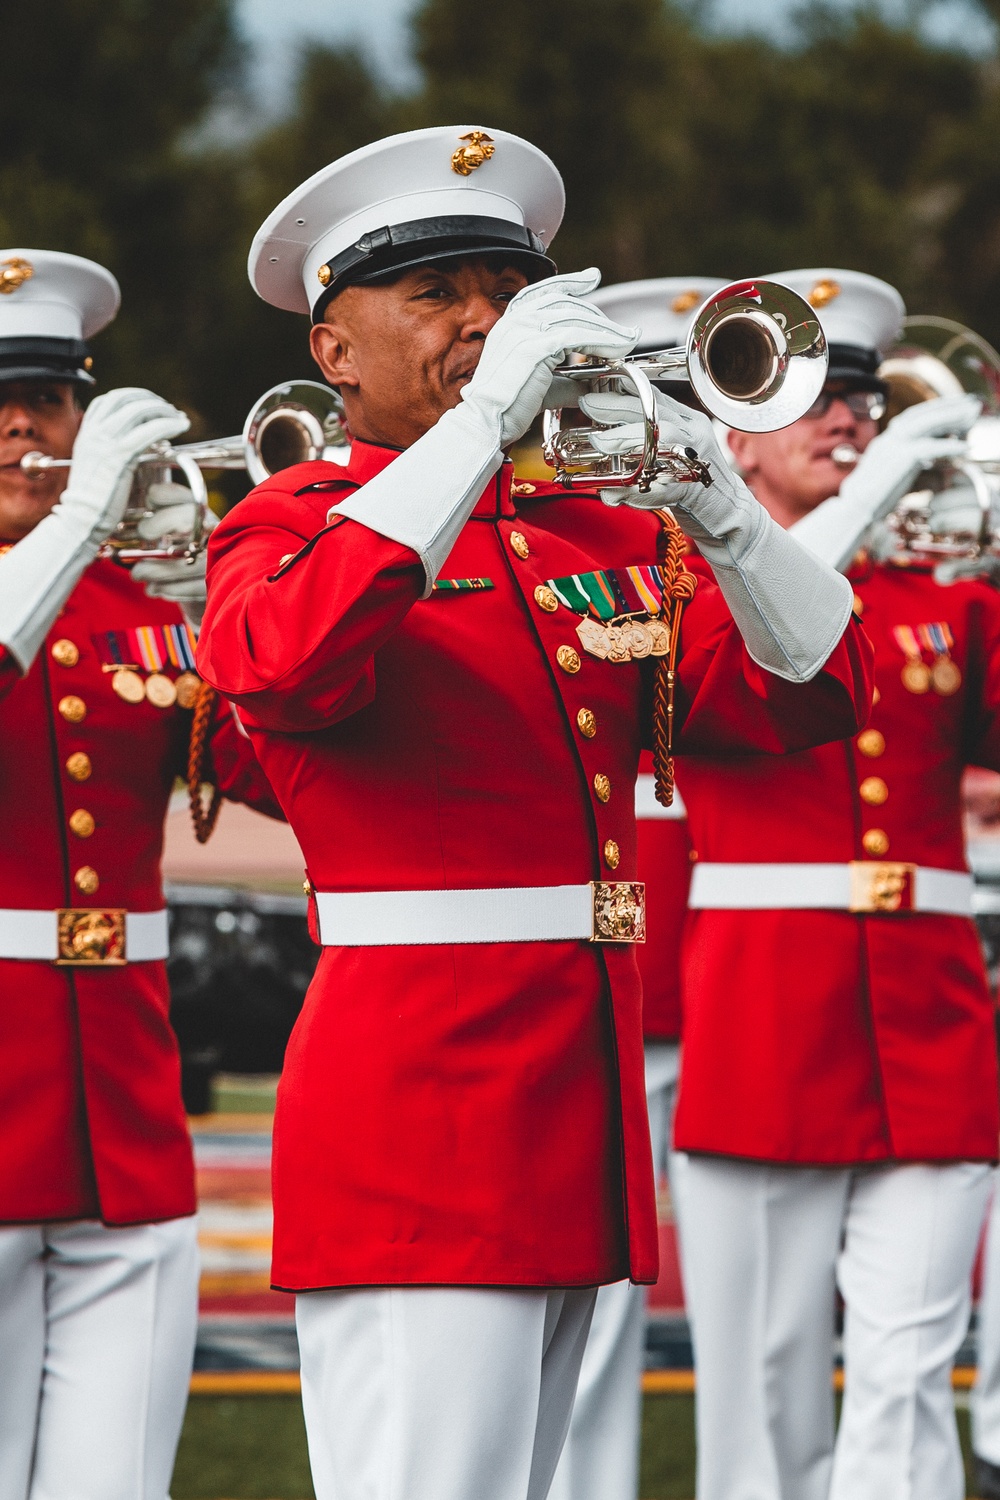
x=854 y=140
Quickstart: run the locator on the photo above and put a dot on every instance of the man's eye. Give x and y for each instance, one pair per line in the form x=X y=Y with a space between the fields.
x=435 y=292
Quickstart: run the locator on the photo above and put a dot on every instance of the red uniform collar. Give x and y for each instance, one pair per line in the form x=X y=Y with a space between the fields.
x=369 y=459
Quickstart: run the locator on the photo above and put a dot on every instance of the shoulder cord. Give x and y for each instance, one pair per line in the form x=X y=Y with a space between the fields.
x=204 y=819
x=678 y=587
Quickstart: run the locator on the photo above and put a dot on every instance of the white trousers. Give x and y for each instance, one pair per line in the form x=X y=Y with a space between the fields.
x=438 y=1393
x=600 y=1460
x=986 y=1392
x=97 y=1330
x=764 y=1248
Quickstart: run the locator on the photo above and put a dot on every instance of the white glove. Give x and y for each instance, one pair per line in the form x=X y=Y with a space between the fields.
x=790 y=609
x=424 y=498
x=958 y=510
x=39 y=573
x=913 y=441
x=183 y=582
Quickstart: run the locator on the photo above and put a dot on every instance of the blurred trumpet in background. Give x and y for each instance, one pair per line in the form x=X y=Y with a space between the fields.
x=292 y=423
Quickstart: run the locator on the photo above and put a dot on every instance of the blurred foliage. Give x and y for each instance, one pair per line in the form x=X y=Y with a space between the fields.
x=856 y=141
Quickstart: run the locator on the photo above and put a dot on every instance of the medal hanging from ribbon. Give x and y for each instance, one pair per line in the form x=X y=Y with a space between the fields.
x=126 y=654
x=917 y=677
x=621 y=609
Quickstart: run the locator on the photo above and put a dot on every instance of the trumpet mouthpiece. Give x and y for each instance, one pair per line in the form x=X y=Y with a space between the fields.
x=845 y=455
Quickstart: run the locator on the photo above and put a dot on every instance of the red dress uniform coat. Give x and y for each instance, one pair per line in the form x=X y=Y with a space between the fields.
x=464 y=1114
x=664 y=864
x=826 y=1036
x=91 y=1120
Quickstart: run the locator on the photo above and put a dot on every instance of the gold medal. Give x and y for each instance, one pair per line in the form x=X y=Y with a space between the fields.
x=618 y=647
x=128 y=685
x=660 y=637
x=916 y=676
x=946 y=677
x=160 y=690
x=638 y=639
x=593 y=638
x=187 y=685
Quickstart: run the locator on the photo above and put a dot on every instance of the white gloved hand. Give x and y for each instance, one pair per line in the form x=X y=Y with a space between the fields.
x=425 y=496
x=39 y=573
x=957 y=510
x=542 y=324
x=886 y=471
x=182 y=581
x=790 y=609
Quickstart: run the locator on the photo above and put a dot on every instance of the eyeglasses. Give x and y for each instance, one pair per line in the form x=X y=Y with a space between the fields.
x=867 y=406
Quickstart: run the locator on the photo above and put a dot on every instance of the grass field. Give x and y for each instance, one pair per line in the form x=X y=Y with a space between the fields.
x=254 y=1448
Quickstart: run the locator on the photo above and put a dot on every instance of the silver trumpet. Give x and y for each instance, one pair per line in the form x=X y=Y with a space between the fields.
x=756 y=358
x=292 y=423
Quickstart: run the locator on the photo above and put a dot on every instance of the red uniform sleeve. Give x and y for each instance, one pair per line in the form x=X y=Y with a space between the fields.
x=727 y=704
x=982 y=747
x=10 y=672
x=295 y=614
x=233 y=766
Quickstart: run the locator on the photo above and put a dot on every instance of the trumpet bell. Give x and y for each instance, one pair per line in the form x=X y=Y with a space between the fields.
x=936 y=357
x=756 y=356
x=296 y=422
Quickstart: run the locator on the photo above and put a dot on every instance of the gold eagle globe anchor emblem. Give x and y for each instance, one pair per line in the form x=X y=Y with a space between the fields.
x=14 y=272
x=479 y=149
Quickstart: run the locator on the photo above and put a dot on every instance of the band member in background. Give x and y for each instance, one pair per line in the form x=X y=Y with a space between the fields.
x=98 y=1257
x=600 y=1460
x=462 y=1151
x=838 y=1094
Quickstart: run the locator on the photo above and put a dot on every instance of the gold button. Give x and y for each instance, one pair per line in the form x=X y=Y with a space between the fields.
x=612 y=854
x=73 y=709
x=65 y=653
x=519 y=542
x=602 y=787
x=876 y=695
x=873 y=791
x=86 y=880
x=876 y=841
x=78 y=767
x=82 y=823
x=859 y=605
x=871 y=743
x=522 y=487
x=586 y=723
x=546 y=599
x=286 y=559
x=568 y=659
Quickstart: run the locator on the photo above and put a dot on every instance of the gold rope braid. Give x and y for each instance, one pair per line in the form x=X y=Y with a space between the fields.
x=204 y=818
x=678 y=587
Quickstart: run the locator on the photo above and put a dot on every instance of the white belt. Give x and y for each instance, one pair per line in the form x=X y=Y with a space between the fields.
x=84 y=937
x=601 y=912
x=646 y=805
x=862 y=885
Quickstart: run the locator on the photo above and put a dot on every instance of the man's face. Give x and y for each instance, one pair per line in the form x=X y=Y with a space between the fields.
x=793 y=467
x=34 y=414
x=401 y=352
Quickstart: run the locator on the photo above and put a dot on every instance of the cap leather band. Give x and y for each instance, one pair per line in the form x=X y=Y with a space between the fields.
x=38 y=358
x=397 y=246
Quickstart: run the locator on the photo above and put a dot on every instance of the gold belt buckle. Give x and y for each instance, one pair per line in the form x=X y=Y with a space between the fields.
x=619 y=911
x=881 y=885
x=91 y=936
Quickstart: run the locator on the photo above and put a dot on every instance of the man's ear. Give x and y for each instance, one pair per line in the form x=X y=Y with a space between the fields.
x=741 y=446
x=333 y=352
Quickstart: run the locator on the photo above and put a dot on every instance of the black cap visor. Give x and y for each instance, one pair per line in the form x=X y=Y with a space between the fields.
x=857 y=365
x=401 y=247
x=45 y=359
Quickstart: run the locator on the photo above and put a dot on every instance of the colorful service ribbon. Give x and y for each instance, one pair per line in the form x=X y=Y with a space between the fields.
x=611 y=592
x=937 y=637
x=907 y=642
x=149 y=646
x=462 y=585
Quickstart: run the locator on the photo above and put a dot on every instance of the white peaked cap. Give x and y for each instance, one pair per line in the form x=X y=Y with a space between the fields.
x=857 y=311
x=405 y=200
x=663 y=308
x=50 y=303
